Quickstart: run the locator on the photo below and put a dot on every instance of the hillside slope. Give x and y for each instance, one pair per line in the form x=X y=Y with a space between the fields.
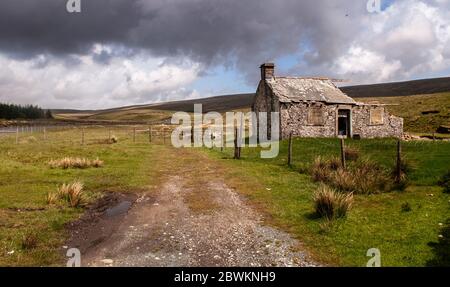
x=421 y=113
x=412 y=99
x=398 y=89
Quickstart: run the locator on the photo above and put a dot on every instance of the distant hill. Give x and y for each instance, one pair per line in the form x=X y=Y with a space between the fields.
x=218 y=103
x=398 y=89
x=434 y=93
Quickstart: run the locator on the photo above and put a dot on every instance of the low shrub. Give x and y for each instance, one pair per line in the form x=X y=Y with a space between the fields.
x=330 y=203
x=70 y=162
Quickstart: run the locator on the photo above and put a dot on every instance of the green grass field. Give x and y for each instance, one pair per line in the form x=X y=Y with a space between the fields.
x=282 y=193
x=26 y=179
x=376 y=221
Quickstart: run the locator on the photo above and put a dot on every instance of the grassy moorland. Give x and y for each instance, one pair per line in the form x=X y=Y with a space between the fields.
x=26 y=178
x=405 y=236
x=422 y=113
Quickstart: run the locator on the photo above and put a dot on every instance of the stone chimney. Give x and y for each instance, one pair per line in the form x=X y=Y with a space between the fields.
x=267 y=71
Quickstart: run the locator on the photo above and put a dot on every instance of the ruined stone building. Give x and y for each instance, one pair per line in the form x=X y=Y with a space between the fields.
x=315 y=107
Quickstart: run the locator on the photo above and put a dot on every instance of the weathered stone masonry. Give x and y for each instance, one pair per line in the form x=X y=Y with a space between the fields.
x=315 y=107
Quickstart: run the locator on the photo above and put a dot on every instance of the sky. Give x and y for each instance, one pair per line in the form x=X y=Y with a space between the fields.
x=125 y=52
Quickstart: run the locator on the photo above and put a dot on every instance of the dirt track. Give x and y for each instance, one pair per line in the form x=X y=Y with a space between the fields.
x=186 y=222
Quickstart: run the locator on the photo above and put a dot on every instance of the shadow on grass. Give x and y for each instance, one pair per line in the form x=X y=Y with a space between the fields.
x=441 y=249
x=312 y=216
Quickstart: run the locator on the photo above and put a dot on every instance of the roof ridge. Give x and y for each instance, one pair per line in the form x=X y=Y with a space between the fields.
x=302 y=78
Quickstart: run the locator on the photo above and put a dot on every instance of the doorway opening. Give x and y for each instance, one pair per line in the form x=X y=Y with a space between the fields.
x=344 y=125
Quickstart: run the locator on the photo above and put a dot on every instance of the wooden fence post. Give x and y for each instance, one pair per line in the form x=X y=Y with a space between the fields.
x=343 y=154
x=236 y=149
x=290 y=150
x=150 y=133
x=45 y=134
x=17 y=135
x=398 y=173
x=192 y=134
x=212 y=140
x=164 y=136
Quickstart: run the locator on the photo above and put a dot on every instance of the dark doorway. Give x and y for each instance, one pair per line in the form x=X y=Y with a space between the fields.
x=344 y=123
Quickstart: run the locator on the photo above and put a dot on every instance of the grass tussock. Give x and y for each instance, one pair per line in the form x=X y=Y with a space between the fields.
x=321 y=168
x=52 y=198
x=71 y=194
x=330 y=203
x=351 y=154
x=70 y=162
x=361 y=177
x=29 y=241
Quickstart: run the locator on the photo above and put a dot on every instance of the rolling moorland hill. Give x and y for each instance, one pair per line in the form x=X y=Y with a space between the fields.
x=424 y=104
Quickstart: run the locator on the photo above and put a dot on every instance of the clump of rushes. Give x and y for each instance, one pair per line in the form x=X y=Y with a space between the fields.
x=362 y=177
x=97 y=163
x=52 y=198
x=69 y=162
x=330 y=203
x=70 y=193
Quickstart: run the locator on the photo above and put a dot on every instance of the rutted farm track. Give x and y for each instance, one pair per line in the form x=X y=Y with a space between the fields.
x=189 y=218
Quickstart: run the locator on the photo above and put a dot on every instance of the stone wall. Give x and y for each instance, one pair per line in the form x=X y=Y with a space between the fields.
x=392 y=126
x=294 y=117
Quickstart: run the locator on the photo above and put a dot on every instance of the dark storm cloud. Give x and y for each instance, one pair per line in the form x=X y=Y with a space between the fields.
x=29 y=27
x=208 y=31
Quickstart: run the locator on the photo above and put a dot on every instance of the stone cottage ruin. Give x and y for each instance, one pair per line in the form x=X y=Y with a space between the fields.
x=315 y=107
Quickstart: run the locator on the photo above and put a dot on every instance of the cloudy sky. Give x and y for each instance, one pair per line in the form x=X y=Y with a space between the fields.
x=123 y=52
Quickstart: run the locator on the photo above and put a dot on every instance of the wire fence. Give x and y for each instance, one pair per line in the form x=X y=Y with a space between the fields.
x=91 y=134
x=86 y=135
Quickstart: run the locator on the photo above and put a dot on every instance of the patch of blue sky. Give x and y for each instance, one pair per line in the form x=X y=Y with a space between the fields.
x=222 y=81
x=386 y=4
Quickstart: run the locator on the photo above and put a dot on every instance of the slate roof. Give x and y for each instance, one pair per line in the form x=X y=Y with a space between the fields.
x=290 y=89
